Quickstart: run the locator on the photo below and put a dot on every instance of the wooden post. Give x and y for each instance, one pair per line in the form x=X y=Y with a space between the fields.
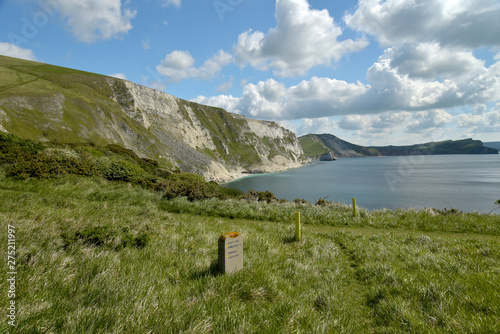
x=297 y=225
x=354 y=208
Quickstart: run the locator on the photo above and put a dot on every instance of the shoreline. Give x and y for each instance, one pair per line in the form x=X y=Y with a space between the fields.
x=244 y=175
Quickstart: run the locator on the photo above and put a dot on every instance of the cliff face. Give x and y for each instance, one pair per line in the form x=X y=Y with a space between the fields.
x=43 y=102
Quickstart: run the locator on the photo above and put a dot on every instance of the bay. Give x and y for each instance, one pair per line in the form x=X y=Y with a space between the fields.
x=465 y=182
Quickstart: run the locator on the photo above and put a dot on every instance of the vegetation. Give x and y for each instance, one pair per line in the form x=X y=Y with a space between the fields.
x=312 y=146
x=25 y=158
x=50 y=103
x=315 y=145
x=131 y=247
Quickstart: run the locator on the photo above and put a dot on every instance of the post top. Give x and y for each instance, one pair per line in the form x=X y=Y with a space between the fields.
x=230 y=235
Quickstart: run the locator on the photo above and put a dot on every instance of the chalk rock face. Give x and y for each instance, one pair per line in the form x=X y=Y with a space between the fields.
x=80 y=107
x=224 y=145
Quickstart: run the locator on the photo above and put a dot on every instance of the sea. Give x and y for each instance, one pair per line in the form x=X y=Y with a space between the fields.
x=469 y=183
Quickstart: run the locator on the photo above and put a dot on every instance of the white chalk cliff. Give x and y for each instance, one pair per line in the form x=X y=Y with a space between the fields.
x=185 y=135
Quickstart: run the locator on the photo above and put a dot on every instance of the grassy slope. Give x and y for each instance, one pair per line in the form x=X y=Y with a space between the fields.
x=373 y=275
x=90 y=114
x=312 y=146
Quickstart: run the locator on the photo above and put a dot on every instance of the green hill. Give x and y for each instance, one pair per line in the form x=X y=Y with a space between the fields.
x=315 y=145
x=103 y=241
x=95 y=256
x=49 y=103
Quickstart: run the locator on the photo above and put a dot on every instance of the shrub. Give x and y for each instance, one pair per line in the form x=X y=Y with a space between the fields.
x=44 y=166
x=123 y=170
x=14 y=149
x=323 y=202
x=260 y=196
x=300 y=202
x=189 y=187
x=147 y=164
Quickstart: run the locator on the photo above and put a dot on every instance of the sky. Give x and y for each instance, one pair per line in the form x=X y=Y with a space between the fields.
x=373 y=72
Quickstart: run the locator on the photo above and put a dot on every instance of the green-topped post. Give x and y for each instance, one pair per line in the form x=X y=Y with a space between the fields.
x=354 y=208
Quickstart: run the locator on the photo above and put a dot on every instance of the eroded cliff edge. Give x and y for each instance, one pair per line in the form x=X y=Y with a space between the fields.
x=44 y=102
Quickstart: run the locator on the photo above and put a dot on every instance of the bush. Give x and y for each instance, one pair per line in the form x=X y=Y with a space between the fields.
x=190 y=187
x=260 y=196
x=123 y=170
x=323 y=202
x=14 y=149
x=44 y=166
x=147 y=164
x=301 y=202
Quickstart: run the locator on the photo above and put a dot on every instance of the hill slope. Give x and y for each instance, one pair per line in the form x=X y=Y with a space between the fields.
x=44 y=102
x=103 y=257
x=317 y=145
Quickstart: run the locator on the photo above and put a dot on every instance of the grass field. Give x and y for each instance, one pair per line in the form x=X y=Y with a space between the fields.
x=95 y=256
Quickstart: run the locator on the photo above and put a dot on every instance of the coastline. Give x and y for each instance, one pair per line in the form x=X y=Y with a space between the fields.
x=240 y=175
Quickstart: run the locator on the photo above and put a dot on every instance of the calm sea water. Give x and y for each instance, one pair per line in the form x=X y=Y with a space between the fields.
x=465 y=182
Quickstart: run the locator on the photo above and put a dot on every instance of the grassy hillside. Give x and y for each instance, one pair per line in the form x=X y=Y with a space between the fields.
x=101 y=252
x=314 y=145
x=50 y=103
x=98 y=256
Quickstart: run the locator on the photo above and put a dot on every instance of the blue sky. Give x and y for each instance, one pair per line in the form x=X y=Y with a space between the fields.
x=372 y=72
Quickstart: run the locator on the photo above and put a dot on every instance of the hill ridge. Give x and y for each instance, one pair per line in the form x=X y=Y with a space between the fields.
x=49 y=103
x=316 y=145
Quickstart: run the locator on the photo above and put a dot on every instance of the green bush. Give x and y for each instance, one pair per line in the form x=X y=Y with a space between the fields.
x=147 y=164
x=14 y=149
x=44 y=166
x=260 y=196
x=26 y=158
x=115 y=170
x=189 y=187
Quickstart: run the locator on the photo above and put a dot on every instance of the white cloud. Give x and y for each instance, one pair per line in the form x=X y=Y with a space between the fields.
x=354 y=122
x=429 y=65
x=429 y=120
x=94 y=20
x=389 y=90
x=119 y=76
x=176 y=3
x=179 y=65
x=15 y=51
x=146 y=43
x=311 y=125
x=465 y=23
x=485 y=122
x=226 y=102
x=226 y=85
x=431 y=61
x=375 y=123
x=302 y=39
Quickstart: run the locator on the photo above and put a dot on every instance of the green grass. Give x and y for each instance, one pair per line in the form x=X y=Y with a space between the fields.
x=373 y=274
x=312 y=146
